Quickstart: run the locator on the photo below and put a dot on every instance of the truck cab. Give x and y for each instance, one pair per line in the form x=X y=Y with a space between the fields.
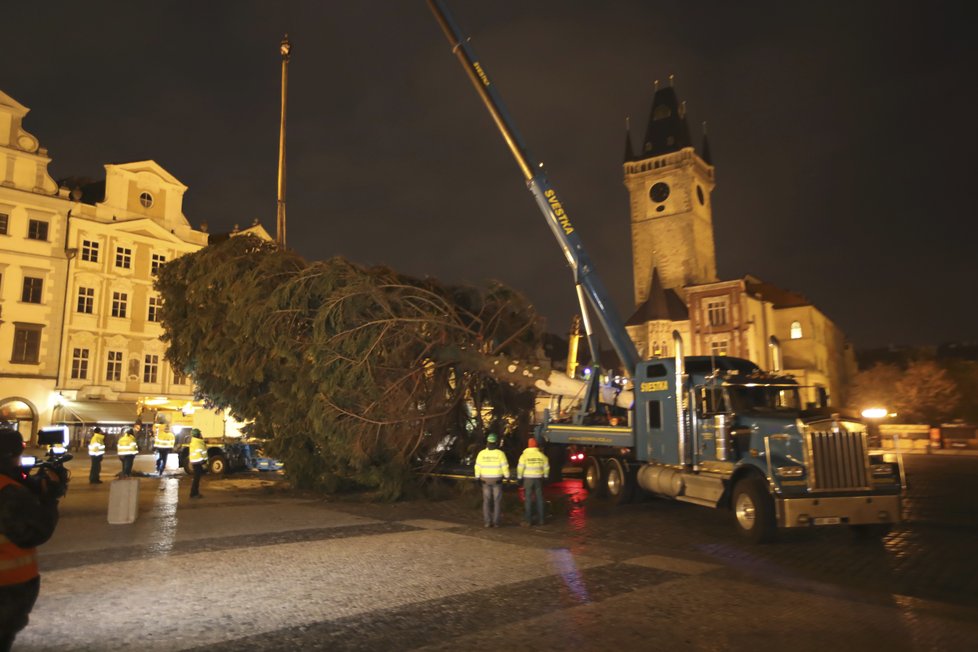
x=721 y=432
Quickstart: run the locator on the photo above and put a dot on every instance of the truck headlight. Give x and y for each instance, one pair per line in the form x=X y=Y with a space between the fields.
x=790 y=471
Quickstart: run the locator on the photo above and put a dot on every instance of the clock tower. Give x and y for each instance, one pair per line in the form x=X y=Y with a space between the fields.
x=670 y=186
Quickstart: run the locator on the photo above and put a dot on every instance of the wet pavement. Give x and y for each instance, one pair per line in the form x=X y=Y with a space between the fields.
x=254 y=566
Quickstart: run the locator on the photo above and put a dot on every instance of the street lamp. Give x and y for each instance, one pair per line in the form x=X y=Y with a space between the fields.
x=873 y=415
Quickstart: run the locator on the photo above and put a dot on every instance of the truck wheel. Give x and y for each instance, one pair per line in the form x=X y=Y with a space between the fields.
x=593 y=477
x=217 y=465
x=188 y=467
x=619 y=486
x=870 y=531
x=754 y=510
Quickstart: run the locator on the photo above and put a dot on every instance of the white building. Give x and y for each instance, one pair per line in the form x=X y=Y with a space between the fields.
x=78 y=311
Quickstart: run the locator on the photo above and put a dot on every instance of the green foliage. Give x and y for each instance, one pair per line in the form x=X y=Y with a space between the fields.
x=339 y=365
x=924 y=392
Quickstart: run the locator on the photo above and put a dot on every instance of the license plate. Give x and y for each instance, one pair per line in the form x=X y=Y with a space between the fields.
x=828 y=520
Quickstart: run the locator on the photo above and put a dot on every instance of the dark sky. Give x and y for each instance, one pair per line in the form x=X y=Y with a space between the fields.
x=842 y=134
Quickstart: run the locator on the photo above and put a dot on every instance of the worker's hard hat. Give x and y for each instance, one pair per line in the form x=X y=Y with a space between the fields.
x=11 y=443
x=492 y=439
x=195 y=432
x=532 y=443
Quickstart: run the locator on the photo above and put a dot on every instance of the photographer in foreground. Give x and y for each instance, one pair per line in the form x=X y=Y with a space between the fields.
x=28 y=516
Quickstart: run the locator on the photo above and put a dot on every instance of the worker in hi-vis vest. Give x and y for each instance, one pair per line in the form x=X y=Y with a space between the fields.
x=491 y=468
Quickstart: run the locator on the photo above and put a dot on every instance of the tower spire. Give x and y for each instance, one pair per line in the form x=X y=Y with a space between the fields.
x=285 y=49
x=629 y=153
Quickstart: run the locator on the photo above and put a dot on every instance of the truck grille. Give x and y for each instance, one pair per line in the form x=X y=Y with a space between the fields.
x=837 y=461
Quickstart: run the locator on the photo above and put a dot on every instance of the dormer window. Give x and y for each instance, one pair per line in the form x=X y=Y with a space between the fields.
x=146 y=199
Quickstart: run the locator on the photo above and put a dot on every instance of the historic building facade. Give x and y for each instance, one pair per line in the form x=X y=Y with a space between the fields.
x=676 y=287
x=79 y=317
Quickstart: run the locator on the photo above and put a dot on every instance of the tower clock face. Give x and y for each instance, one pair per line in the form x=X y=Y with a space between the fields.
x=659 y=192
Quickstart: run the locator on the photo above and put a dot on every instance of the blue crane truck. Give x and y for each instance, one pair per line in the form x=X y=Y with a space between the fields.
x=718 y=432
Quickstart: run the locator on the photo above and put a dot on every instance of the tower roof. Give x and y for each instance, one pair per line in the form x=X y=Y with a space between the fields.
x=667 y=130
x=661 y=304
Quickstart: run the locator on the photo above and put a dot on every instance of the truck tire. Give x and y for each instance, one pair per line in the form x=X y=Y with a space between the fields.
x=217 y=465
x=187 y=466
x=619 y=484
x=593 y=480
x=753 y=510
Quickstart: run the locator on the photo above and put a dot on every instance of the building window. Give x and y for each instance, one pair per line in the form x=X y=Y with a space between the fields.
x=156 y=263
x=89 y=251
x=155 y=303
x=796 y=333
x=79 y=364
x=716 y=312
x=37 y=230
x=179 y=378
x=718 y=348
x=33 y=288
x=86 y=300
x=27 y=343
x=120 y=304
x=151 y=367
x=123 y=257
x=113 y=369
x=4 y=223
x=146 y=199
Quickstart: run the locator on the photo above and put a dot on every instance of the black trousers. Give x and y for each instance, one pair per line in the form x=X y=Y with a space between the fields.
x=93 y=475
x=198 y=471
x=127 y=461
x=16 y=602
x=162 y=454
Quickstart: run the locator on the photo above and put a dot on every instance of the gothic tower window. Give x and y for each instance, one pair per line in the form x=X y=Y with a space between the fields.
x=796 y=333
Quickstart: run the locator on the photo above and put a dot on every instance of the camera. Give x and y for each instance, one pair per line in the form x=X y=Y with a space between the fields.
x=55 y=438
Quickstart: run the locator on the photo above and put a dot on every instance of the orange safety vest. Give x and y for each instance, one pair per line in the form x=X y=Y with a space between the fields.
x=17 y=565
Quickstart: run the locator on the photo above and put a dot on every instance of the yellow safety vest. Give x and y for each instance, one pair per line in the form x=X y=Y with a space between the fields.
x=17 y=565
x=127 y=445
x=198 y=450
x=491 y=464
x=96 y=447
x=533 y=464
x=164 y=439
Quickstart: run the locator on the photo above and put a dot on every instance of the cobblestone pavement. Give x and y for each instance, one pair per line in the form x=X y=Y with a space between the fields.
x=253 y=566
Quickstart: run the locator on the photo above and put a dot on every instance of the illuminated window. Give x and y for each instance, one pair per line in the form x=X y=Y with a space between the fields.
x=123 y=257
x=151 y=368
x=37 y=230
x=796 y=333
x=146 y=199
x=89 y=251
x=113 y=367
x=79 y=364
x=33 y=289
x=155 y=303
x=718 y=348
x=27 y=343
x=156 y=263
x=716 y=312
x=86 y=300
x=120 y=304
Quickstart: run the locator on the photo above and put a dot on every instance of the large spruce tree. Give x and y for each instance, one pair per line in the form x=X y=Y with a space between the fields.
x=358 y=377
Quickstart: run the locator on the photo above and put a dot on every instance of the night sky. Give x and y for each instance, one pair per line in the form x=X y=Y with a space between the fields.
x=842 y=134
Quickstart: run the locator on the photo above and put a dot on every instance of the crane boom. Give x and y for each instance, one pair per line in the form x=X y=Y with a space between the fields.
x=546 y=197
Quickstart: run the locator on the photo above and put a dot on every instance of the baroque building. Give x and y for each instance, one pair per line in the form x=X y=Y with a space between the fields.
x=676 y=288
x=79 y=317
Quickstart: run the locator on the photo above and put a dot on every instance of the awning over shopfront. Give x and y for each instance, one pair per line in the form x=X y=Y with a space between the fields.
x=91 y=412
